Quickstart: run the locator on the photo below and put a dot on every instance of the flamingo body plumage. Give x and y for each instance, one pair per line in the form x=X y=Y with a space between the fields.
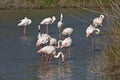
x=98 y=21
x=25 y=22
x=47 y=21
x=67 y=31
x=90 y=29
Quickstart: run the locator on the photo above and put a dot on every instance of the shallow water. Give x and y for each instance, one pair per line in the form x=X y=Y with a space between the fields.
x=18 y=55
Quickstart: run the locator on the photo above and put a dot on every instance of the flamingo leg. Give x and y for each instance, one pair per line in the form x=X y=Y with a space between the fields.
x=24 y=31
x=47 y=58
x=59 y=34
x=47 y=28
x=92 y=42
x=69 y=51
x=89 y=44
x=51 y=59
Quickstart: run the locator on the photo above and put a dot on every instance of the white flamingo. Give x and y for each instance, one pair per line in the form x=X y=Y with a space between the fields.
x=67 y=31
x=53 y=42
x=60 y=24
x=51 y=51
x=90 y=31
x=25 y=22
x=98 y=21
x=45 y=38
x=66 y=43
x=47 y=21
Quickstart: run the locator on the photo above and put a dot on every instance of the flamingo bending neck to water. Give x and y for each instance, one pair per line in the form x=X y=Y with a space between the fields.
x=66 y=43
x=51 y=51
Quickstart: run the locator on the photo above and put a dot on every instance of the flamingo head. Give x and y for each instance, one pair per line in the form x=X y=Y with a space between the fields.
x=38 y=27
x=102 y=16
x=53 y=19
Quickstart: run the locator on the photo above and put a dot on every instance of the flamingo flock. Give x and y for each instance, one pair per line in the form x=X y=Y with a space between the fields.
x=48 y=44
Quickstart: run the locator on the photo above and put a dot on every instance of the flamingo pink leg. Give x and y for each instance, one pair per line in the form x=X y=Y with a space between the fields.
x=24 y=31
x=69 y=52
x=47 y=58
x=47 y=28
x=59 y=34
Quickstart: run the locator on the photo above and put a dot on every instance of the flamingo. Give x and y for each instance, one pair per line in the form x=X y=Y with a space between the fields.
x=51 y=51
x=25 y=22
x=53 y=42
x=67 y=31
x=90 y=31
x=98 y=21
x=60 y=24
x=39 y=34
x=66 y=43
x=45 y=38
x=47 y=21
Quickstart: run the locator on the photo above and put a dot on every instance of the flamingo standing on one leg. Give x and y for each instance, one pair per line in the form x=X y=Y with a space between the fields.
x=98 y=21
x=66 y=43
x=51 y=51
x=60 y=24
x=47 y=21
x=67 y=31
x=25 y=22
x=90 y=31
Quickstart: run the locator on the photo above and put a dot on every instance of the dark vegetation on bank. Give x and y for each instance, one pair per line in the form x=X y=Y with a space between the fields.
x=39 y=4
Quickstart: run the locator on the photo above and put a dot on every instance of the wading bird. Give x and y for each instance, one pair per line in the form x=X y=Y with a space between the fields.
x=60 y=25
x=98 y=21
x=43 y=40
x=67 y=31
x=91 y=29
x=48 y=21
x=24 y=22
x=66 y=43
x=51 y=51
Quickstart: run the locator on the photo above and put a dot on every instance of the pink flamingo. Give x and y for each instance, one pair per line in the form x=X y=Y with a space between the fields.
x=66 y=43
x=51 y=51
x=90 y=31
x=67 y=31
x=44 y=39
x=25 y=22
x=98 y=21
x=47 y=21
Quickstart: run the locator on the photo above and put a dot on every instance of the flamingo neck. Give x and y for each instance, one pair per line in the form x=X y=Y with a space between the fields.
x=58 y=55
x=60 y=41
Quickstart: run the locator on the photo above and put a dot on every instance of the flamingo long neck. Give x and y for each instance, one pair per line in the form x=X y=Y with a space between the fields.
x=60 y=41
x=98 y=31
x=58 y=55
x=61 y=17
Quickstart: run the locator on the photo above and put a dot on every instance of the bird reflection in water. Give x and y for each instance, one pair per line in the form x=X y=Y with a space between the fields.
x=54 y=72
